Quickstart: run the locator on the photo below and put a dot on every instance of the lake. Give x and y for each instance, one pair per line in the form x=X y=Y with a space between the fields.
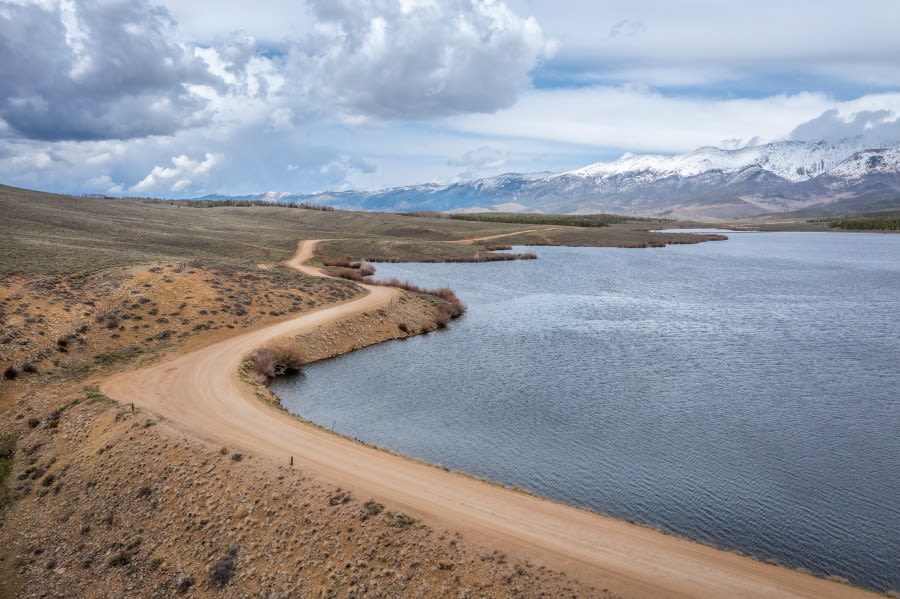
x=743 y=393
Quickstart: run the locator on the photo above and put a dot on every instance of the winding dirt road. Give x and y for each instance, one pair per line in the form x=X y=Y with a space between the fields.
x=201 y=393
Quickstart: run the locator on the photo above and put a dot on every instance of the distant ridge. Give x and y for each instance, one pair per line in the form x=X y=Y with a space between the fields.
x=814 y=178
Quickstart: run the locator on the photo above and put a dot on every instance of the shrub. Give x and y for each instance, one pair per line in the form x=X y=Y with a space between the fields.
x=573 y=220
x=450 y=307
x=371 y=508
x=441 y=318
x=7 y=446
x=269 y=363
x=185 y=583
x=221 y=572
x=479 y=257
x=29 y=368
x=11 y=373
x=345 y=273
x=344 y=262
x=402 y=520
x=119 y=559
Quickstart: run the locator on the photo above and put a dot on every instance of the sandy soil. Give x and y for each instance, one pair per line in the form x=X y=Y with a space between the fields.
x=201 y=392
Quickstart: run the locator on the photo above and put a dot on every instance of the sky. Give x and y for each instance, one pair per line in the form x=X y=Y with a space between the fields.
x=168 y=98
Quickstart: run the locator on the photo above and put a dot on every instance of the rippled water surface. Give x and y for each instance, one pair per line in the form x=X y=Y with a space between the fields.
x=743 y=393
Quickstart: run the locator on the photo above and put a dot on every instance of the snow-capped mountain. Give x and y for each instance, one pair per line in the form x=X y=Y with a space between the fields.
x=709 y=183
x=791 y=160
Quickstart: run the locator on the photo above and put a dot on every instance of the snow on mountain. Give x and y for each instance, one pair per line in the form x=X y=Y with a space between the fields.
x=869 y=162
x=817 y=177
x=791 y=160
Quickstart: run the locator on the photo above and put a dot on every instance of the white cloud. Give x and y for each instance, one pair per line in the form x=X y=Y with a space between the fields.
x=627 y=28
x=95 y=70
x=763 y=31
x=878 y=127
x=207 y=22
x=105 y=184
x=312 y=95
x=647 y=121
x=415 y=60
x=484 y=157
x=161 y=178
x=340 y=171
x=480 y=161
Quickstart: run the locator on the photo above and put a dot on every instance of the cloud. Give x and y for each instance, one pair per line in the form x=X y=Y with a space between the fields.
x=483 y=157
x=642 y=120
x=627 y=28
x=100 y=95
x=178 y=177
x=481 y=160
x=95 y=70
x=416 y=59
x=878 y=127
x=105 y=183
x=338 y=172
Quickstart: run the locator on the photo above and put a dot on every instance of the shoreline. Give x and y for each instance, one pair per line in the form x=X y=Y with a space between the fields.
x=625 y=557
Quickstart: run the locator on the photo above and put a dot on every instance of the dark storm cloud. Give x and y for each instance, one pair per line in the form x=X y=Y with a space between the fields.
x=95 y=70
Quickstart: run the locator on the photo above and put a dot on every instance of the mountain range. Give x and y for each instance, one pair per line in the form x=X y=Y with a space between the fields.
x=805 y=178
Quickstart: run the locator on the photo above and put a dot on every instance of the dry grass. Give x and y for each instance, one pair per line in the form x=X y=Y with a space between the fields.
x=639 y=235
x=447 y=306
x=47 y=233
x=73 y=325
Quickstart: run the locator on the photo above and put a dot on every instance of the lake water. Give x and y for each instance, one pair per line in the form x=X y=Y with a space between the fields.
x=744 y=393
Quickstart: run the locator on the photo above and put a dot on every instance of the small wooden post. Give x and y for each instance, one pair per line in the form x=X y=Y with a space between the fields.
x=292 y=460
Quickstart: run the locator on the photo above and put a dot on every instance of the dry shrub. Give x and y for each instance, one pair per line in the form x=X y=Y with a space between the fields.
x=269 y=363
x=347 y=268
x=479 y=257
x=448 y=309
x=350 y=274
x=344 y=262
x=221 y=572
x=441 y=318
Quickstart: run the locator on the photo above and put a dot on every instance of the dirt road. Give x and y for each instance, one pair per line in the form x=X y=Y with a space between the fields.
x=200 y=391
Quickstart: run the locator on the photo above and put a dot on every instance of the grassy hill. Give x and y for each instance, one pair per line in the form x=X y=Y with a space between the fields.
x=49 y=233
